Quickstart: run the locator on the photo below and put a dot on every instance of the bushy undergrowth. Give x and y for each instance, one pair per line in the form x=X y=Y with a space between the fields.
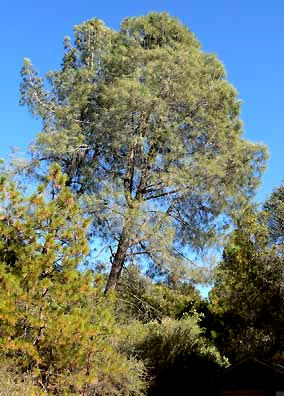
x=139 y=298
x=175 y=353
x=13 y=384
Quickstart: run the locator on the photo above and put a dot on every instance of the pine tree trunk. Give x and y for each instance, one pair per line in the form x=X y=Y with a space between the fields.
x=118 y=261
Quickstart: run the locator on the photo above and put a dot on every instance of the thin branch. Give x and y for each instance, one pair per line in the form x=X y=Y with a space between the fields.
x=48 y=107
x=164 y=194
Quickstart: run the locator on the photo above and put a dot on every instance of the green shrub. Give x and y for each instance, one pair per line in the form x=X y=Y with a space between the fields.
x=175 y=352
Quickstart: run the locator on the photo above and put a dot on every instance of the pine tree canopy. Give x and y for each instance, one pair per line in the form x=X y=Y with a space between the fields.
x=148 y=130
x=274 y=210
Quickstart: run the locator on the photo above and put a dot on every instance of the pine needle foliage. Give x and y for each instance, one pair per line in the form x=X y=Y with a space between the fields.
x=55 y=322
x=148 y=130
x=248 y=294
x=274 y=211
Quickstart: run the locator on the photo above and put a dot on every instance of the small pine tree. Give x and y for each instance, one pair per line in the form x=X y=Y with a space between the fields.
x=54 y=319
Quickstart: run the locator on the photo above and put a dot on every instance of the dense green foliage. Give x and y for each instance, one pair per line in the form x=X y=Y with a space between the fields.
x=248 y=296
x=147 y=129
x=176 y=353
x=274 y=211
x=55 y=321
x=138 y=298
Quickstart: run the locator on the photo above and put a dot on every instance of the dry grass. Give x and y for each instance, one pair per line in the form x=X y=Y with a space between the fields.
x=11 y=384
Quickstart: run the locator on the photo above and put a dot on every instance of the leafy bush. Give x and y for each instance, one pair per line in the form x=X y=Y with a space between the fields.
x=176 y=354
x=141 y=299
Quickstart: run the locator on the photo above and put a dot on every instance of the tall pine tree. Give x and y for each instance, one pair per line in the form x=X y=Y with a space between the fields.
x=148 y=131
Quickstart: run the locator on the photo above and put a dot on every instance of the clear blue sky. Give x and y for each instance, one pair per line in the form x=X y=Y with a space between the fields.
x=247 y=36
